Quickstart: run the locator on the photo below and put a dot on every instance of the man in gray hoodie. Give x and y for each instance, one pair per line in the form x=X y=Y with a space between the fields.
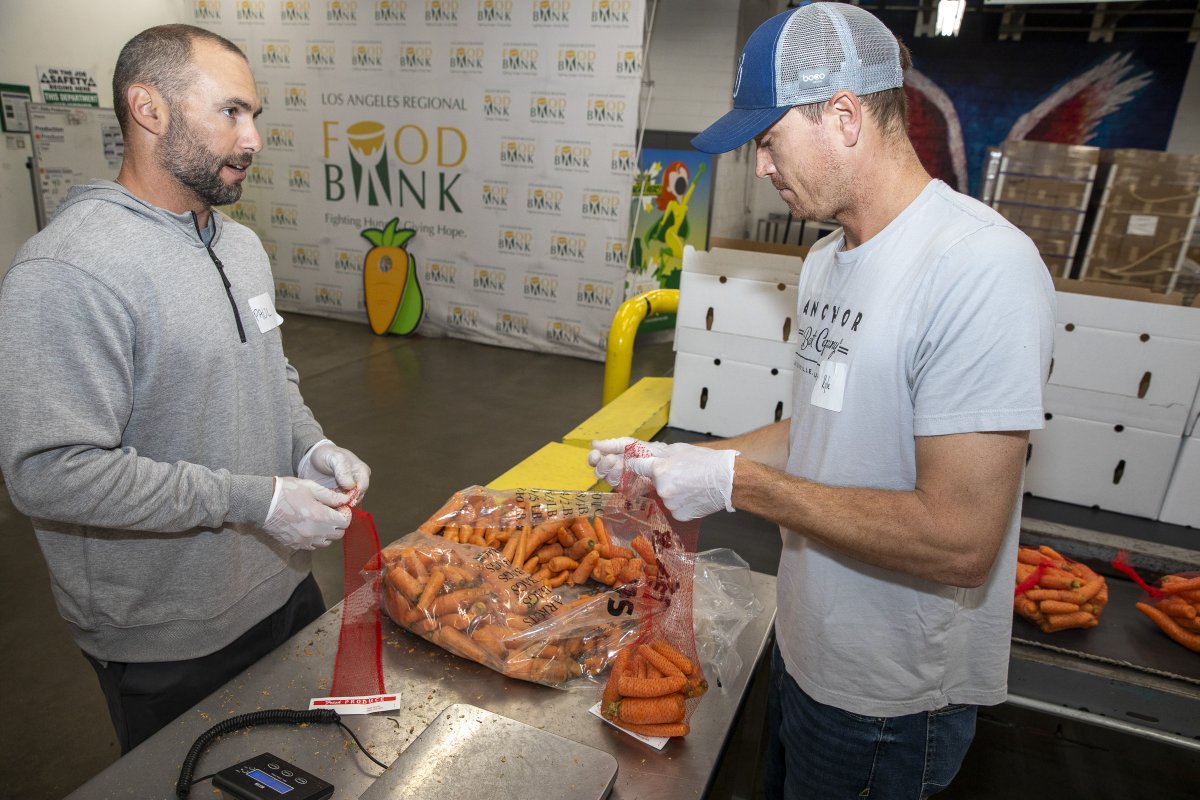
x=151 y=426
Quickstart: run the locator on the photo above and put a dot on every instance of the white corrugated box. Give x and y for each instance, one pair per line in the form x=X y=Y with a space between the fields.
x=1181 y=505
x=1114 y=467
x=1125 y=362
x=735 y=336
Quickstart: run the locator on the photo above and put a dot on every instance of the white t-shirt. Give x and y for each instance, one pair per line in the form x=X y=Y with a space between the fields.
x=941 y=323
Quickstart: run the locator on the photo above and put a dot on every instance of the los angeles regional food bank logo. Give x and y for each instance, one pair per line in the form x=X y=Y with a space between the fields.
x=394 y=300
x=422 y=175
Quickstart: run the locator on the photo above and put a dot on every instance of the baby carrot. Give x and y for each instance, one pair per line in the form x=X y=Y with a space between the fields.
x=1170 y=627
x=457 y=599
x=649 y=710
x=458 y=642
x=683 y=662
x=620 y=664
x=584 y=569
x=601 y=531
x=583 y=529
x=630 y=686
x=643 y=548
x=432 y=587
x=549 y=551
x=530 y=565
x=560 y=563
x=406 y=584
x=668 y=729
x=1177 y=607
x=435 y=523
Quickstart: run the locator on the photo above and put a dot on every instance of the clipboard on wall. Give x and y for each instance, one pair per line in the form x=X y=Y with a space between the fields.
x=71 y=144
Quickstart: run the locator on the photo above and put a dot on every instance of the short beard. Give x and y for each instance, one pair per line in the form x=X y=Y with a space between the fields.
x=185 y=157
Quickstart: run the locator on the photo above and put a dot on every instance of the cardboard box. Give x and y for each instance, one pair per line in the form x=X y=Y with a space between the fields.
x=1124 y=362
x=735 y=337
x=1038 y=218
x=1043 y=190
x=1113 y=467
x=1049 y=158
x=1146 y=218
x=724 y=397
x=1181 y=505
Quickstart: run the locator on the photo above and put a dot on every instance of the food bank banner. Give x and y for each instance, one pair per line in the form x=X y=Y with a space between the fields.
x=501 y=134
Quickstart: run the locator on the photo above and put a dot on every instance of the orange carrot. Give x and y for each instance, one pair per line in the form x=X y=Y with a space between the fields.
x=601 y=531
x=406 y=584
x=549 y=551
x=1058 y=579
x=581 y=548
x=432 y=587
x=1059 y=622
x=457 y=641
x=1177 y=607
x=1051 y=553
x=455 y=600
x=1057 y=607
x=562 y=562
x=583 y=529
x=680 y=660
x=630 y=686
x=663 y=664
x=585 y=567
x=435 y=523
x=614 y=551
x=643 y=548
x=1180 y=584
x=510 y=548
x=696 y=686
x=559 y=579
x=565 y=537
x=649 y=710
x=1027 y=555
x=669 y=729
x=1170 y=627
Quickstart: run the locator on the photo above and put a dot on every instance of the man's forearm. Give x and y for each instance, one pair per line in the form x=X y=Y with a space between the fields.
x=767 y=445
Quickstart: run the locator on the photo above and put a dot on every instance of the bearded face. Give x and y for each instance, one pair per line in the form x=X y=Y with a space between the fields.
x=185 y=155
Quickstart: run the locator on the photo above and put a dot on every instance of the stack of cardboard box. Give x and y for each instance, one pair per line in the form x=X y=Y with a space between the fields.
x=1120 y=404
x=1146 y=218
x=735 y=336
x=1044 y=188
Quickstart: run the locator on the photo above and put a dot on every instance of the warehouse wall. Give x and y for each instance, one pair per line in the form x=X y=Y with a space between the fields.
x=691 y=62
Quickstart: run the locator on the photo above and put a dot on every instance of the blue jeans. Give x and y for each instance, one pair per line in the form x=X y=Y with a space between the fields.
x=818 y=752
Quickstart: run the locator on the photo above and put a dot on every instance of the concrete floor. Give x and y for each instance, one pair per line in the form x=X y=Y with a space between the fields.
x=432 y=416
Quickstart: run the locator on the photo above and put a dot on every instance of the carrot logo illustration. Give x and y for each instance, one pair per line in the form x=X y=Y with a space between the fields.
x=393 y=297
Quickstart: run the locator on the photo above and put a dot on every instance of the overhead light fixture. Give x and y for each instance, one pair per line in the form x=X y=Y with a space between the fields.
x=949 y=17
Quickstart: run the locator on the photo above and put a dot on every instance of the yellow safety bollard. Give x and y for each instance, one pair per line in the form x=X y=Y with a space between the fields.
x=618 y=360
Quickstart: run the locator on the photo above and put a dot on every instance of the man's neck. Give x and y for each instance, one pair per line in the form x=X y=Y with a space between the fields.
x=886 y=186
x=162 y=191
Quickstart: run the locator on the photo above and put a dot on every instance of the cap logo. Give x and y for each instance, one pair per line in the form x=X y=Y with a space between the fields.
x=819 y=76
x=738 y=81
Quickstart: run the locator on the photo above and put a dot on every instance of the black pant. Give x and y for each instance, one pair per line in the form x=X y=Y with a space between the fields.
x=143 y=697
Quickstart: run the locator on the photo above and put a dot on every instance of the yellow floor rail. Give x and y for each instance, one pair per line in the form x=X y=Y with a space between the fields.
x=618 y=361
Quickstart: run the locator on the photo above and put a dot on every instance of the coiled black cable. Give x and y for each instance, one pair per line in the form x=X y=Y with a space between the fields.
x=272 y=717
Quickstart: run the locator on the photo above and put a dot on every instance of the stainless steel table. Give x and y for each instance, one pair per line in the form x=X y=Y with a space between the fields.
x=428 y=679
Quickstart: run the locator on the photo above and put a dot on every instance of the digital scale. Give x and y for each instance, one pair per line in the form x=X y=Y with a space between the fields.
x=464 y=749
x=269 y=777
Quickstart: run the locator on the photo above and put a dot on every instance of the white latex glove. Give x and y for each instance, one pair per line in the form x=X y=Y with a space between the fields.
x=305 y=515
x=607 y=456
x=336 y=468
x=692 y=481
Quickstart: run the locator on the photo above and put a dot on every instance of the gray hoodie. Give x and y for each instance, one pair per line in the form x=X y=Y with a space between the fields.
x=140 y=432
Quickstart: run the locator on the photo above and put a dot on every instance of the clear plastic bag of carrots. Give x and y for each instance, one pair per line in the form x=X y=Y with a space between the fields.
x=540 y=585
x=1056 y=593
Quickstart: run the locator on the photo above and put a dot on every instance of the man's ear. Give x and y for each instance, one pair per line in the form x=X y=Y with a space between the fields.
x=147 y=108
x=848 y=114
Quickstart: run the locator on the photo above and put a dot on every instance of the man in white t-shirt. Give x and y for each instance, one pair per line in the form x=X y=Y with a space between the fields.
x=925 y=329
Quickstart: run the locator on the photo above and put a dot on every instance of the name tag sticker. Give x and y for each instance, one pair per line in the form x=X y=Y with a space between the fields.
x=830 y=386
x=263 y=309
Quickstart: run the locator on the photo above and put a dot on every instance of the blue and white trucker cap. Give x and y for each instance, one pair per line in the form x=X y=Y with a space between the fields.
x=804 y=55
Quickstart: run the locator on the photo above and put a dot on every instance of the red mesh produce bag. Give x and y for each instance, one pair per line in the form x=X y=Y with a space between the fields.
x=1174 y=605
x=1056 y=593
